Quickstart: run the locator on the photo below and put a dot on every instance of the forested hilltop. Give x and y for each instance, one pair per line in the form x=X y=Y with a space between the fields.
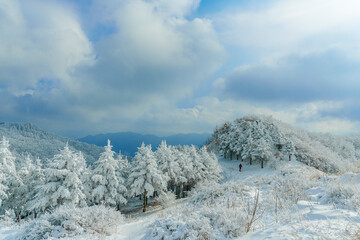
x=262 y=140
x=26 y=138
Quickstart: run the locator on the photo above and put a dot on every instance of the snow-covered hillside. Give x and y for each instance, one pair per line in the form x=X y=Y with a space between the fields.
x=26 y=138
x=295 y=201
x=264 y=139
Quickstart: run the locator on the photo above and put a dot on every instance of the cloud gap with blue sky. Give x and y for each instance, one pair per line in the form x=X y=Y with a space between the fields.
x=165 y=66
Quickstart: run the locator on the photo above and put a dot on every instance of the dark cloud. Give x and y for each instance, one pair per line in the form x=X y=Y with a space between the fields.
x=326 y=76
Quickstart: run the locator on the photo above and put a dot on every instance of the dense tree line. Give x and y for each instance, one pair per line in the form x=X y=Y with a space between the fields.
x=251 y=140
x=28 y=188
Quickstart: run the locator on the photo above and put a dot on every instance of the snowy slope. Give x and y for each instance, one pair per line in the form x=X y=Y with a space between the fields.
x=326 y=207
x=26 y=138
x=311 y=218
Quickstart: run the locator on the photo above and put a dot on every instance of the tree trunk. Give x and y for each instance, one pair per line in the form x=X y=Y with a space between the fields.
x=262 y=163
x=144 y=201
x=35 y=215
x=230 y=155
x=250 y=161
x=290 y=157
x=140 y=197
x=237 y=156
x=18 y=216
x=181 y=190
x=118 y=207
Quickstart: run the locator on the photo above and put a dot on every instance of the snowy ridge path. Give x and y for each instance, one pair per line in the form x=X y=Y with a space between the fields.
x=134 y=230
x=231 y=171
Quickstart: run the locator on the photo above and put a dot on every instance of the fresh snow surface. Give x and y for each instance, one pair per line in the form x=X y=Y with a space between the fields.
x=8 y=232
x=311 y=218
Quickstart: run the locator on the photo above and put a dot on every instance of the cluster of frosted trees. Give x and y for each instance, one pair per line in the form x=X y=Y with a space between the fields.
x=251 y=140
x=29 y=188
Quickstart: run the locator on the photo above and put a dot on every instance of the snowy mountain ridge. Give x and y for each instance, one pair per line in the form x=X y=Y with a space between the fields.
x=26 y=138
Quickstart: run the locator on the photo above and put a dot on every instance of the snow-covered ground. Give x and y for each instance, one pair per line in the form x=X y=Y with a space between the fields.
x=311 y=218
x=327 y=209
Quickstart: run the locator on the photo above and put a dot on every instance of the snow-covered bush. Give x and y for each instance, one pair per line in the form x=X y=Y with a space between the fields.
x=202 y=192
x=69 y=222
x=191 y=226
x=342 y=195
x=289 y=189
x=166 y=199
x=221 y=211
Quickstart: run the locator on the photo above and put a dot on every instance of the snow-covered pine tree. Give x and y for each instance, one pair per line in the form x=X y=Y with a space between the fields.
x=212 y=168
x=238 y=140
x=248 y=145
x=35 y=178
x=122 y=173
x=261 y=151
x=224 y=139
x=87 y=182
x=288 y=149
x=8 y=176
x=3 y=188
x=145 y=177
x=123 y=163
x=108 y=189
x=167 y=164
x=21 y=190
x=186 y=173
x=62 y=184
x=198 y=165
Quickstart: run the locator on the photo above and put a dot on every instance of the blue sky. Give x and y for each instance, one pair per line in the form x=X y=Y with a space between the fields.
x=164 y=66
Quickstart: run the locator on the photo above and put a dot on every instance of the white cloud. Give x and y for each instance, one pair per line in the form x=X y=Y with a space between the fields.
x=210 y=111
x=39 y=40
x=284 y=27
x=151 y=57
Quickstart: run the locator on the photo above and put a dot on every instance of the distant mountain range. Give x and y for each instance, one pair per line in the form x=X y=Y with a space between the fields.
x=26 y=138
x=128 y=142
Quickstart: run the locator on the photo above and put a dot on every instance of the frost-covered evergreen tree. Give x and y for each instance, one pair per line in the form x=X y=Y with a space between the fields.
x=212 y=168
x=167 y=164
x=23 y=188
x=186 y=173
x=122 y=172
x=261 y=151
x=288 y=149
x=145 y=176
x=9 y=180
x=199 y=169
x=248 y=145
x=62 y=183
x=34 y=178
x=109 y=188
x=3 y=188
